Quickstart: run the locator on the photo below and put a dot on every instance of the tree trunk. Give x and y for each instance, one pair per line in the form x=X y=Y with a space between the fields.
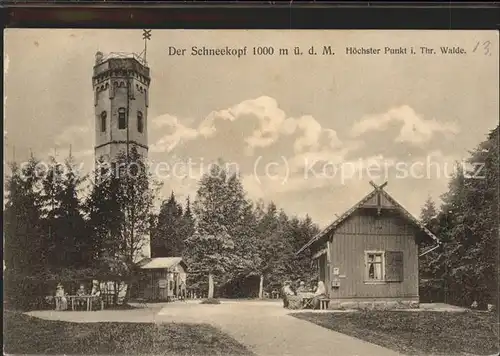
x=210 y=286
x=115 y=295
x=127 y=291
x=261 y=287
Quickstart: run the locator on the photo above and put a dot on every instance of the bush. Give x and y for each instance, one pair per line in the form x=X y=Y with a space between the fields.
x=27 y=292
x=210 y=301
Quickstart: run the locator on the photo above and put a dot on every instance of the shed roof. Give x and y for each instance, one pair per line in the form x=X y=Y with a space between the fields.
x=161 y=262
x=378 y=191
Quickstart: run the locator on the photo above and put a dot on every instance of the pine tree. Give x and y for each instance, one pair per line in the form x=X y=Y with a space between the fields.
x=104 y=214
x=467 y=225
x=302 y=231
x=428 y=212
x=168 y=235
x=63 y=219
x=51 y=193
x=272 y=246
x=136 y=193
x=120 y=211
x=25 y=245
x=211 y=255
x=223 y=220
x=480 y=245
x=71 y=225
x=26 y=250
x=188 y=221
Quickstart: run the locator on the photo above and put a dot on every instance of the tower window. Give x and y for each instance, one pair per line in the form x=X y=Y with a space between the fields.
x=140 y=122
x=103 y=121
x=122 y=119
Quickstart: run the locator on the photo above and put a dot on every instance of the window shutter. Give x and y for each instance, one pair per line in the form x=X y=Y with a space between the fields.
x=394 y=266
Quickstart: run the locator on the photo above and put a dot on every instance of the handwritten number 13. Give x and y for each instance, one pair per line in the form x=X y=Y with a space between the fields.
x=486 y=47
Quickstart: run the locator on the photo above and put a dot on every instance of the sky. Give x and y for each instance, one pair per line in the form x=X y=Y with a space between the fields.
x=303 y=131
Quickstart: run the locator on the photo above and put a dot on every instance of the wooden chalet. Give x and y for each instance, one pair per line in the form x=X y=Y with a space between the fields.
x=368 y=257
x=162 y=278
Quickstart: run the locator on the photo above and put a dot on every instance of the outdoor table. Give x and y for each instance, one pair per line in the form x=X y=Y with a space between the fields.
x=307 y=299
x=88 y=299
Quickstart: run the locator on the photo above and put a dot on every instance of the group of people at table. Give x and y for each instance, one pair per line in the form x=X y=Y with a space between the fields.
x=307 y=296
x=80 y=299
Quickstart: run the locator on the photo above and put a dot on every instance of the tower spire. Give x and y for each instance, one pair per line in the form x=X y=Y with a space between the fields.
x=146 y=36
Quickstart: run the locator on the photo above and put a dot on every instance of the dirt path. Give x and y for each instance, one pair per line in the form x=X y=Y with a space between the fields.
x=264 y=327
x=267 y=330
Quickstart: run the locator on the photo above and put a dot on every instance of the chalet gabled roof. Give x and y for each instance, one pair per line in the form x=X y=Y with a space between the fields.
x=161 y=263
x=378 y=191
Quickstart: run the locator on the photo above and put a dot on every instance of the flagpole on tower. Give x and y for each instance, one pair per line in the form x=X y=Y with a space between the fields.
x=146 y=36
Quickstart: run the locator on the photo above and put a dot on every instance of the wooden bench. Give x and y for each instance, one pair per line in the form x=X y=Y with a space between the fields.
x=323 y=303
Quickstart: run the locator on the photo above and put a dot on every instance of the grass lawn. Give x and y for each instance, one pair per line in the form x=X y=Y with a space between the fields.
x=24 y=334
x=423 y=333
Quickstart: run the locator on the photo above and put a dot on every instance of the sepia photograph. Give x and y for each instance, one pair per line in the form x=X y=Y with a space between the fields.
x=251 y=192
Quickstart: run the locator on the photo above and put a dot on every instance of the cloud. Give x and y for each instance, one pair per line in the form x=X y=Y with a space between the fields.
x=298 y=155
x=415 y=130
x=177 y=134
x=311 y=132
x=72 y=134
x=271 y=123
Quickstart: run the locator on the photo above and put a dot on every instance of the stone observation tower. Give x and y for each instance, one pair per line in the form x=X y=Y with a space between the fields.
x=121 y=99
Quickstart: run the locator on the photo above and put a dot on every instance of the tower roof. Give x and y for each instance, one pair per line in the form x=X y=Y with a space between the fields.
x=120 y=61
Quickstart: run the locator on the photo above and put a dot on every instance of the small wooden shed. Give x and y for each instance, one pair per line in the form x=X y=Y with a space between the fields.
x=368 y=257
x=162 y=278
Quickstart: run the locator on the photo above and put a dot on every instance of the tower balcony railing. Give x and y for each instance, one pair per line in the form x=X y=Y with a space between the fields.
x=124 y=55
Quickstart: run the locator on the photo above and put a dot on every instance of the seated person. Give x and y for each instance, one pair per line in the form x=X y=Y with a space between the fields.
x=319 y=294
x=314 y=286
x=81 y=302
x=287 y=292
x=61 y=300
x=96 y=293
x=302 y=288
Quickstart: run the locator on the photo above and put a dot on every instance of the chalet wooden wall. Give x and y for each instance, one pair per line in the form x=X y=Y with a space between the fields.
x=150 y=288
x=364 y=231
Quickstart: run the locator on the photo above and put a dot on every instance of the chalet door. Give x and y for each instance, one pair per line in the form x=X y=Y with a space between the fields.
x=322 y=268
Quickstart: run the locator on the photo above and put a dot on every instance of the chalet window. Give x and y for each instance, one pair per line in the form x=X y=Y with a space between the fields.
x=103 y=121
x=140 y=122
x=383 y=266
x=122 y=119
x=374 y=265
